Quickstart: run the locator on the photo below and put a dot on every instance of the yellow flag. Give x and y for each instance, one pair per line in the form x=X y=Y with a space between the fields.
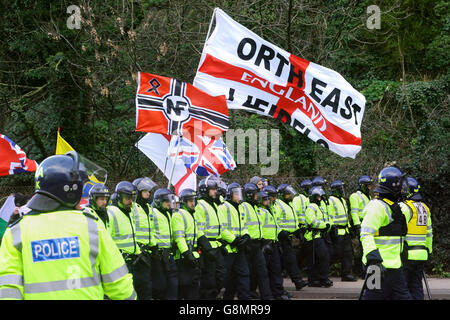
x=62 y=146
x=96 y=174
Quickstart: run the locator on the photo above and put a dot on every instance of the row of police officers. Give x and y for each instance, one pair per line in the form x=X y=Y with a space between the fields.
x=228 y=240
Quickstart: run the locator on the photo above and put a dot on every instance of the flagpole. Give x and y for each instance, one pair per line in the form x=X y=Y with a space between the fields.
x=175 y=161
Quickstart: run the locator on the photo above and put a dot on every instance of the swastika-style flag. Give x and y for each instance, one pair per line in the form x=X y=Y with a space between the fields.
x=169 y=106
x=203 y=155
x=257 y=76
x=13 y=159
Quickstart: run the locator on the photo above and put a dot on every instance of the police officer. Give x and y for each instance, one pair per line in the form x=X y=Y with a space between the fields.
x=144 y=231
x=98 y=200
x=213 y=264
x=327 y=211
x=288 y=222
x=317 y=251
x=358 y=201
x=234 y=233
x=299 y=204
x=56 y=252
x=255 y=258
x=301 y=201
x=382 y=235
x=164 y=268
x=419 y=239
x=186 y=232
x=270 y=246
x=123 y=214
x=221 y=192
x=144 y=187
x=342 y=242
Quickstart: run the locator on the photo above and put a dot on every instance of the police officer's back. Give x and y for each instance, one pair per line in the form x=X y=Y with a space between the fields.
x=57 y=252
x=186 y=234
x=342 y=245
x=419 y=239
x=382 y=236
x=164 y=269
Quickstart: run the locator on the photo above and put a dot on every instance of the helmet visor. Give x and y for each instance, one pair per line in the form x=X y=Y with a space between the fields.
x=237 y=195
x=172 y=201
x=146 y=184
x=289 y=190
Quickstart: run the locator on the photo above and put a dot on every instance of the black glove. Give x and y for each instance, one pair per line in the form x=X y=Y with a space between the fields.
x=267 y=248
x=327 y=227
x=299 y=235
x=243 y=240
x=374 y=257
x=204 y=243
x=283 y=235
x=189 y=256
x=206 y=247
x=236 y=241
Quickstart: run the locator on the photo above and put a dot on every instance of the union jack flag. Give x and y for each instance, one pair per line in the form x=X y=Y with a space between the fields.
x=203 y=155
x=13 y=159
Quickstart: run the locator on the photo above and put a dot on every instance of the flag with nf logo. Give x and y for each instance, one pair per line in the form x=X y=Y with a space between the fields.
x=257 y=76
x=169 y=106
x=13 y=159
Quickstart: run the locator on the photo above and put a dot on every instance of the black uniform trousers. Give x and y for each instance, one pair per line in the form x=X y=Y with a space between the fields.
x=164 y=276
x=142 y=277
x=237 y=280
x=188 y=280
x=318 y=265
x=414 y=273
x=289 y=261
x=343 y=253
x=213 y=274
x=258 y=269
x=393 y=287
x=273 y=261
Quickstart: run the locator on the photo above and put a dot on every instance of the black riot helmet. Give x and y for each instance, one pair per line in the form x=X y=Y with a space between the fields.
x=144 y=183
x=125 y=188
x=210 y=182
x=185 y=195
x=98 y=190
x=319 y=181
x=162 y=195
x=413 y=188
x=337 y=188
x=284 y=190
x=235 y=189
x=305 y=185
x=391 y=182
x=222 y=188
x=364 y=182
x=261 y=196
x=316 y=194
x=271 y=191
x=59 y=182
x=250 y=189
